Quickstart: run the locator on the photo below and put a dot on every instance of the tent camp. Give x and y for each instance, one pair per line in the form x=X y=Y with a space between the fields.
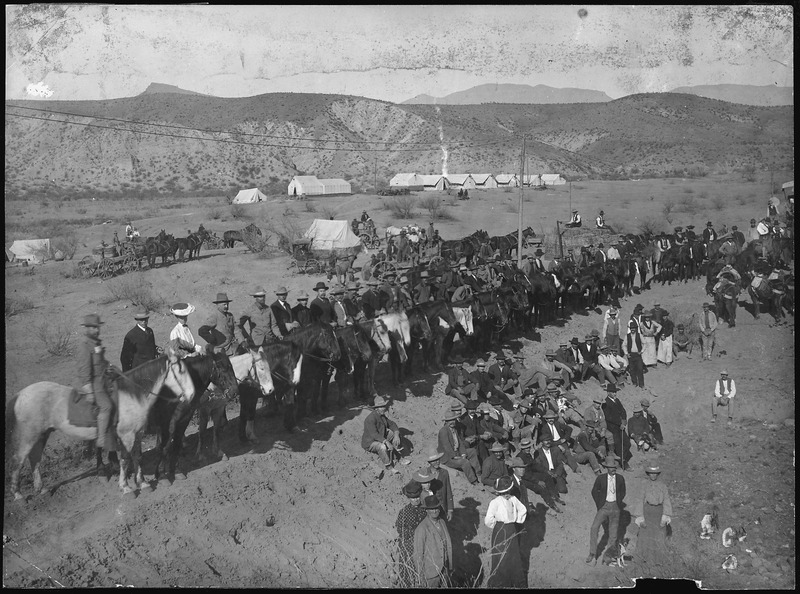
x=484 y=181
x=506 y=180
x=249 y=196
x=461 y=181
x=553 y=179
x=531 y=180
x=412 y=181
x=311 y=186
x=335 y=186
x=10 y=257
x=434 y=183
x=31 y=250
x=333 y=235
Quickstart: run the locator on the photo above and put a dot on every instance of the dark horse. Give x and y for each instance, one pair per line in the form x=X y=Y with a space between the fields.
x=507 y=244
x=320 y=351
x=171 y=417
x=162 y=245
x=436 y=312
x=191 y=243
x=467 y=247
x=356 y=351
x=229 y=238
x=421 y=333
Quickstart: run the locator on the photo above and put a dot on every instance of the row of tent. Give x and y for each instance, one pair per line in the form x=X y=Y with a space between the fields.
x=471 y=181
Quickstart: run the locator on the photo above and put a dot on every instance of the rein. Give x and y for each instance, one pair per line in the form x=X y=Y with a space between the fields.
x=158 y=394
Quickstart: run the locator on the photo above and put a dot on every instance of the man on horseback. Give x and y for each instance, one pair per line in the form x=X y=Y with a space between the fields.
x=223 y=322
x=300 y=312
x=139 y=345
x=263 y=327
x=92 y=365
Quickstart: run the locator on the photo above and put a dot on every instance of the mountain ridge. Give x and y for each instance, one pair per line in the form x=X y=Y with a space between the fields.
x=512 y=93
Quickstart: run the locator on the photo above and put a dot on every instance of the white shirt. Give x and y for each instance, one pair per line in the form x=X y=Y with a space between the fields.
x=611 y=488
x=724 y=392
x=183 y=333
x=549 y=456
x=505 y=510
x=599 y=221
x=556 y=437
x=762 y=228
x=608 y=362
x=578 y=356
x=613 y=253
x=576 y=218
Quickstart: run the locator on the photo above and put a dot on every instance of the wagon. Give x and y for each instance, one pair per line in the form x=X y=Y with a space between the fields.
x=107 y=267
x=303 y=257
x=213 y=242
x=370 y=241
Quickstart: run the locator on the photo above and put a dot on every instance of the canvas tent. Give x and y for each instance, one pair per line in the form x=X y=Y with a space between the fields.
x=462 y=181
x=506 y=180
x=553 y=179
x=311 y=186
x=532 y=180
x=332 y=235
x=30 y=250
x=412 y=181
x=335 y=186
x=10 y=257
x=434 y=183
x=484 y=181
x=249 y=196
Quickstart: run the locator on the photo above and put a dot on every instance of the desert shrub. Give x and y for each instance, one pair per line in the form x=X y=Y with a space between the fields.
x=15 y=305
x=402 y=207
x=689 y=205
x=238 y=211
x=328 y=212
x=704 y=195
x=742 y=199
x=258 y=244
x=749 y=172
x=56 y=337
x=512 y=206
x=688 y=190
x=135 y=289
x=215 y=213
x=718 y=202
x=433 y=205
x=289 y=211
x=650 y=225
x=626 y=202
x=669 y=207
x=81 y=210
x=66 y=243
x=172 y=205
x=310 y=206
x=286 y=230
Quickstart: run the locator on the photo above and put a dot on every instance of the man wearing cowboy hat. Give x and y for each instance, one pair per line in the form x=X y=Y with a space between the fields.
x=541 y=483
x=612 y=327
x=681 y=342
x=321 y=308
x=616 y=421
x=612 y=370
x=371 y=300
x=608 y=493
x=494 y=466
x=525 y=422
x=613 y=252
x=139 y=345
x=381 y=435
x=480 y=378
x=519 y=489
x=575 y=220
x=282 y=313
x=708 y=331
x=590 y=446
x=441 y=483
x=561 y=434
x=460 y=384
x=422 y=291
x=462 y=292
x=724 y=391
x=527 y=265
x=600 y=255
x=223 y=322
x=91 y=367
x=181 y=336
x=652 y=421
x=500 y=373
x=536 y=263
x=594 y=412
x=301 y=312
x=340 y=317
x=550 y=370
x=352 y=302
x=433 y=548
x=404 y=299
x=452 y=443
x=709 y=234
x=554 y=268
x=257 y=324
x=600 y=222
x=388 y=292
x=551 y=461
x=639 y=430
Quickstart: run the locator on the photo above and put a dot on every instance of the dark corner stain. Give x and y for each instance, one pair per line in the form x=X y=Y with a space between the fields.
x=583 y=13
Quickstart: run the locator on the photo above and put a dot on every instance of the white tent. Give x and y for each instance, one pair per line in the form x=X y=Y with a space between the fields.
x=434 y=183
x=249 y=196
x=32 y=250
x=507 y=180
x=532 y=180
x=335 y=186
x=305 y=184
x=331 y=235
x=462 y=181
x=553 y=179
x=407 y=180
x=484 y=181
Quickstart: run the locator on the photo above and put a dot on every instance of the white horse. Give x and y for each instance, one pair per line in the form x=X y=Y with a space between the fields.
x=41 y=408
x=400 y=330
x=251 y=367
x=464 y=318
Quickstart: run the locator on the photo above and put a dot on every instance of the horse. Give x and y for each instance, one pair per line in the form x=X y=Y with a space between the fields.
x=229 y=238
x=496 y=319
x=725 y=294
x=191 y=243
x=354 y=343
x=380 y=343
x=285 y=363
x=466 y=312
x=252 y=372
x=507 y=244
x=769 y=293
x=163 y=245
x=542 y=297
x=399 y=328
x=441 y=318
x=41 y=408
x=171 y=419
x=320 y=350
x=421 y=333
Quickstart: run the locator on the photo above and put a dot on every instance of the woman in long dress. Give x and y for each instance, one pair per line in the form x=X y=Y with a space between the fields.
x=407 y=521
x=505 y=517
x=656 y=515
x=648 y=330
x=665 y=354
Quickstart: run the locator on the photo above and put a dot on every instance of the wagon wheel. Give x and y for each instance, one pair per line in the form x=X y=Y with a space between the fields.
x=313 y=266
x=376 y=242
x=381 y=268
x=130 y=263
x=87 y=266
x=105 y=269
x=366 y=239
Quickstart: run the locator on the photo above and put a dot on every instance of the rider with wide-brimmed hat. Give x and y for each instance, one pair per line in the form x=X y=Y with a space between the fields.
x=219 y=329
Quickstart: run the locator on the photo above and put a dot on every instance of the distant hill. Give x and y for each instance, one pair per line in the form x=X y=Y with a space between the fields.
x=743 y=94
x=264 y=140
x=507 y=93
x=153 y=88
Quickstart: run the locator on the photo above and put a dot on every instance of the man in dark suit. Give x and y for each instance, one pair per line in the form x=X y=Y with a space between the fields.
x=616 y=421
x=283 y=313
x=452 y=443
x=655 y=426
x=565 y=356
x=139 y=345
x=441 y=482
x=502 y=376
x=422 y=291
x=471 y=422
x=520 y=491
x=301 y=312
x=591 y=353
x=494 y=466
x=480 y=378
x=555 y=428
x=472 y=281
x=371 y=301
x=321 y=308
x=541 y=483
x=608 y=493
x=550 y=460
x=352 y=302
x=576 y=359
x=460 y=385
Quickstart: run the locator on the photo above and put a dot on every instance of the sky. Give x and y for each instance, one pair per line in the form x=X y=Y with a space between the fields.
x=392 y=53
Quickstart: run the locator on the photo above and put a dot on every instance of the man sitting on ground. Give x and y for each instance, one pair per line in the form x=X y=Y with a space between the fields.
x=655 y=426
x=590 y=446
x=452 y=443
x=381 y=435
x=639 y=430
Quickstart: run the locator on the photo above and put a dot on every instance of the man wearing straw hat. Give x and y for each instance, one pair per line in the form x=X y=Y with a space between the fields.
x=453 y=444
x=608 y=493
x=282 y=313
x=381 y=435
x=223 y=322
x=257 y=324
x=494 y=466
x=181 y=336
x=139 y=345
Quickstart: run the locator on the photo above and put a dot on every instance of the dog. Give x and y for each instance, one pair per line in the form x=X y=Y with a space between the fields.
x=709 y=524
x=620 y=552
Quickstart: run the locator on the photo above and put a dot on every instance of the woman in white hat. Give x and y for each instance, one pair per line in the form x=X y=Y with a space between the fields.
x=505 y=517
x=181 y=335
x=654 y=517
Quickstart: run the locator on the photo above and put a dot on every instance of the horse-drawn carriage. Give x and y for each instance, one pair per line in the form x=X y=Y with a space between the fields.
x=108 y=260
x=303 y=259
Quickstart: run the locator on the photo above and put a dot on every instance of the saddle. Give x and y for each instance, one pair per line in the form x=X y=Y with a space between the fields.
x=81 y=412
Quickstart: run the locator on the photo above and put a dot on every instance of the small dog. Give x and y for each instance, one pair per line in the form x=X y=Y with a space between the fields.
x=709 y=524
x=620 y=553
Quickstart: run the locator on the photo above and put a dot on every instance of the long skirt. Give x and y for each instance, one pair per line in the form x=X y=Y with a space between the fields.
x=649 y=350
x=506 y=558
x=651 y=542
x=665 y=350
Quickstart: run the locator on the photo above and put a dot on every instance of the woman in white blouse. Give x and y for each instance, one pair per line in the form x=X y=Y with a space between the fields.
x=506 y=516
x=181 y=336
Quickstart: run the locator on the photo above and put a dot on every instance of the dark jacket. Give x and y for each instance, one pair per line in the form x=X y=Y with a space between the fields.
x=600 y=487
x=457 y=377
x=492 y=469
x=375 y=426
x=590 y=354
x=615 y=413
x=302 y=314
x=442 y=489
x=321 y=310
x=370 y=303
x=446 y=445
x=540 y=462
x=283 y=315
x=139 y=346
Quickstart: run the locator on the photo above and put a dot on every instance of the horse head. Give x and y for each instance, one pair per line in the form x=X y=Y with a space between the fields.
x=223 y=375
x=263 y=372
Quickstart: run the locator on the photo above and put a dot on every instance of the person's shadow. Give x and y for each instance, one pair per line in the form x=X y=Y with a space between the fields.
x=466 y=555
x=532 y=536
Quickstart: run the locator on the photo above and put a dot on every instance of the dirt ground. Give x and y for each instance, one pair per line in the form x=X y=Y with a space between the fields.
x=304 y=509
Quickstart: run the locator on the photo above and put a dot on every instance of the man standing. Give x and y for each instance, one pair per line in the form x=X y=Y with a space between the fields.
x=139 y=345
x=321 y=308
x=709 y=234
x=262 y=326
x=616 y=421
x=352 y=302
x=223 y=322
x=613 y=252
x=442 y=488
x=340 y=318
x=708 y=330
x=381 y=435
x=404 y=299
x=753 y=233
x=612 y=327
x=433 y=548
x=538 y=265
x=452 y=444
x=600 y=256
x=724 y=391
x=634 y=349
x=371 y=301
x=608 y=493
x=282 y=313
x=300 y=312
x=92 y=364
x=388 y=292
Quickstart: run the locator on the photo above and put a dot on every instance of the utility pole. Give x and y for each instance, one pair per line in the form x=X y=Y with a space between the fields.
x=570 y=197
x=521 y=192
x=376 y=174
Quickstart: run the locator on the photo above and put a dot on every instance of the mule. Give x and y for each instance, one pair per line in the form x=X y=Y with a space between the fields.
x=285 y=363
x=380 y=343
x=320 y=350
x=399 y=328
x=41 y=408
x=354 y=344
x=770 y=293
x=230 y=238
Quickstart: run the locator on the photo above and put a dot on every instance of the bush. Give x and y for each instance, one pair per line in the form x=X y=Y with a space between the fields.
x=258 y=244
x=328 y=212
x=66 y=243
x=310 y=206
x=17 y=305
x=135 y=289
x=215 y=213
x=718 y=202
x=56 y=337
x=433 y=205
x=688 y=190
x=402 y=207
x=650 y=225
x=689 y=205
x=669 y=206
x=238 y=211
x=287 y=231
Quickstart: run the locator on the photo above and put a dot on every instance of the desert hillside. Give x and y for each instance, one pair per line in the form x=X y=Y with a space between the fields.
x=171 y=144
